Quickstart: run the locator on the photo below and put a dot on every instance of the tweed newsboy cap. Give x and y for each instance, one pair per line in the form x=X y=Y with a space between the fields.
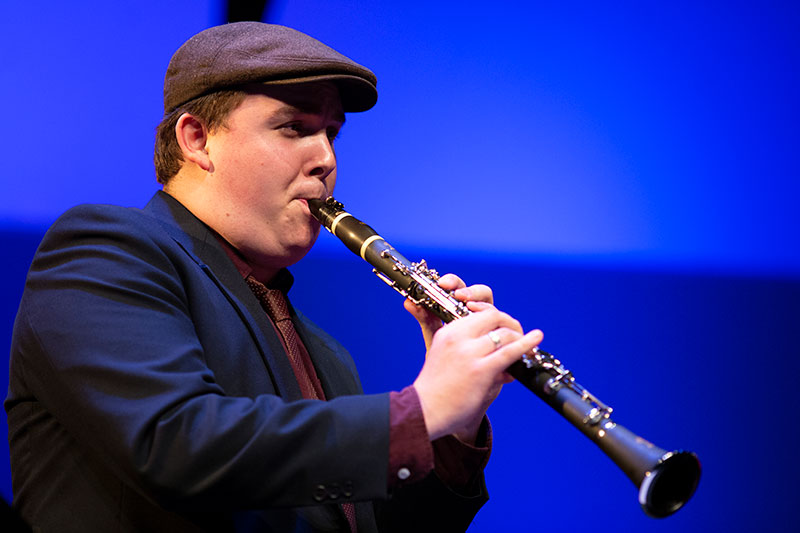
x=240 y=53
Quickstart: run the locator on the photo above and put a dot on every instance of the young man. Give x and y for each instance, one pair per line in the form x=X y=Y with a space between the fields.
x=160 y=381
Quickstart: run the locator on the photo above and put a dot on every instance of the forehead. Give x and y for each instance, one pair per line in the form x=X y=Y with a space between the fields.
x=319 y=98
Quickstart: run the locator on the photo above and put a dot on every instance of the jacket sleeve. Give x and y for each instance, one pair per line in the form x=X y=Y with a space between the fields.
x=430 y=505
x=105 y=341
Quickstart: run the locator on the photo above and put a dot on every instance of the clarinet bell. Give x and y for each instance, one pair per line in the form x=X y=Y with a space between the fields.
x=669 y=483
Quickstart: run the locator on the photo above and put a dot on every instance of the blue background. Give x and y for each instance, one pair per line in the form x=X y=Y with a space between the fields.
x=624 y=175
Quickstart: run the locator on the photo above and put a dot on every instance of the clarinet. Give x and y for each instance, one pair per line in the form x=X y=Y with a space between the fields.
x=666 y=480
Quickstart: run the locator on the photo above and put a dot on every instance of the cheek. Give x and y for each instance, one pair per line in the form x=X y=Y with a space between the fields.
x=250 y=177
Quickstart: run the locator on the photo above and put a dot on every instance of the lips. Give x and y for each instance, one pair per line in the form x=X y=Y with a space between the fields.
x=315 y=196
x=304 y=201
x=310 y=191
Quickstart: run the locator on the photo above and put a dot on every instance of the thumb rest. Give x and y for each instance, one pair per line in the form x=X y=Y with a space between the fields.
x=666 y=480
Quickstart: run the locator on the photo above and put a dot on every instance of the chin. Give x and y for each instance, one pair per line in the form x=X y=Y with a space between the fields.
x=299 y=251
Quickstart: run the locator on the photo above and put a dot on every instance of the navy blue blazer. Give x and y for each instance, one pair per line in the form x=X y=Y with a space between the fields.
x=148 y=392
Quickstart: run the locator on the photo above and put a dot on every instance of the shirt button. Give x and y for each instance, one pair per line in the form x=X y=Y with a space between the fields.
x=404 y=473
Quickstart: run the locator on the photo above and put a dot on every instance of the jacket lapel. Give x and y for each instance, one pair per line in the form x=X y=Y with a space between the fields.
x=202 y=247
x=335 y=368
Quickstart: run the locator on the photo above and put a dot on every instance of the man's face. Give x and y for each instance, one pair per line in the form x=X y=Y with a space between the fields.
x=274 y=153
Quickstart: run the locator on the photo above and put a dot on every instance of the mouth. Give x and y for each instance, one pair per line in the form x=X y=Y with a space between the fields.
x=305 y=198
x=306 y=207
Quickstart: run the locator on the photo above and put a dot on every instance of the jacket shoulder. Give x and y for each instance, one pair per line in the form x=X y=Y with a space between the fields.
x=103 y=218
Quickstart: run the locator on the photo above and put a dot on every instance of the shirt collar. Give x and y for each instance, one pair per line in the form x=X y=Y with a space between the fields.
x=282 y=281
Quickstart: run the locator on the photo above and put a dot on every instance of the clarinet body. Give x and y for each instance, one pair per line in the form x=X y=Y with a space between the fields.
x=666 y=480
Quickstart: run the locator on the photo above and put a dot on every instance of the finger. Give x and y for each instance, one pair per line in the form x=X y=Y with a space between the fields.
x=506 y=355
x=506 y=378
x=479 y=306
x=419 y=312
x=498 y=338
x=429 y=322
x=495 y=338
x=486 y=318
x=451 y=282
x=477 y=293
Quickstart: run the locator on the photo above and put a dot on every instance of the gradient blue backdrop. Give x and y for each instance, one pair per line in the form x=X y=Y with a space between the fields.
x=624 y=175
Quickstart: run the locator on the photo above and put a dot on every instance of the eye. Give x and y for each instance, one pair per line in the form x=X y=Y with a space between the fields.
x=294 y=128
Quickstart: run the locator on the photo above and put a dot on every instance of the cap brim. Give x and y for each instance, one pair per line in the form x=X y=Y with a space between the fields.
x=357 y=94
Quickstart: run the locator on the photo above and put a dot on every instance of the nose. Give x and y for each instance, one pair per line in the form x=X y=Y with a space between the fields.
x=322 y=160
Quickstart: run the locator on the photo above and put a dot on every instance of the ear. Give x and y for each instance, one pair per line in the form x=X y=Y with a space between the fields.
x=192 y=136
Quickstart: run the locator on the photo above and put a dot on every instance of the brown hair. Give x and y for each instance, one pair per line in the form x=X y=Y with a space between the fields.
x=211 y=109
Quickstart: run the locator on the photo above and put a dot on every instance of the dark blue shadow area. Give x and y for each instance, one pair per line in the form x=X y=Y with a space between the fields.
x=693 y=361
x=19 y=246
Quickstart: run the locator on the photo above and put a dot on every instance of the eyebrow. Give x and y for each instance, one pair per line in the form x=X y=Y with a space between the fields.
x=287 y=111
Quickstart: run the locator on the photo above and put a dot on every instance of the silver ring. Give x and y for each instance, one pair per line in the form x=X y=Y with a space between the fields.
x=495 y=338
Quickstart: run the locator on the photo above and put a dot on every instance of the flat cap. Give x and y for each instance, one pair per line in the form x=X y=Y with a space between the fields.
x=240 y=53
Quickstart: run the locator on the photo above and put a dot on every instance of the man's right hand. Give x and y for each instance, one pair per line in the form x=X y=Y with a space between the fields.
x=465 y=369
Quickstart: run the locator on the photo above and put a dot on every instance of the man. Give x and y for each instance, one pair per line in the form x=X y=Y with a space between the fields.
x=161 y=382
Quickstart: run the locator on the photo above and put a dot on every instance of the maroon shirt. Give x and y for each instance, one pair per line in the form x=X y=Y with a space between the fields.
x=412 y=456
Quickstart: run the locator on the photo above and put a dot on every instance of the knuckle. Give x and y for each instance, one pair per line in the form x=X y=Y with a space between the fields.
x=451 y=279
x=514 y=334
x=511 y=322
